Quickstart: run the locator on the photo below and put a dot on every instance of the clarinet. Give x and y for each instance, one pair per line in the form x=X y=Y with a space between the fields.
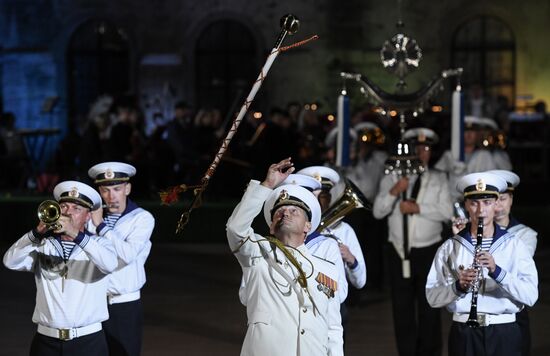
x=472 y=318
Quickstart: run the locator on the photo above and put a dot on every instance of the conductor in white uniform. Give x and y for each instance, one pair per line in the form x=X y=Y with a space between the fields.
x=290 y=294
x=70 y=266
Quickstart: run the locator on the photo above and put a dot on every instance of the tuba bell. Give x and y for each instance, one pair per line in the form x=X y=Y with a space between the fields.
x=48 y=213
x=351 y=199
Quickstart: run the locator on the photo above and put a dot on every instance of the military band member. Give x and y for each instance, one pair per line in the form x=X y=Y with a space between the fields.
x=427 y=205
x=129 y=228
x=348 y=244
x=290 y=294
x=477 y=158
x=508 y=279
x=504 y=218
x=70 y=266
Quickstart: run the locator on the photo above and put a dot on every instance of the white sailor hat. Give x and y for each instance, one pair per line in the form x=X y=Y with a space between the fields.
x=304 y=181
x=330 y=140
x=421 y=136
x=366 y=125
x=291 y=194
x=77 y=192
x=328 y=177
x=481 y=185
x=472 y=122
x=489 y=123
x=110 y=173
x=512 y=179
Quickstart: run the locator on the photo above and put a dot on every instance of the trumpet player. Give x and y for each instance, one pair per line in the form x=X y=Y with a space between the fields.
x=506 y=280
x=70 y=266
x=129 y=228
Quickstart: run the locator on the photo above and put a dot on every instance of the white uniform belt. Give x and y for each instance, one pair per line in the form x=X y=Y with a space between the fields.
x=486 y=319
x=69 y=334
x=123 y=298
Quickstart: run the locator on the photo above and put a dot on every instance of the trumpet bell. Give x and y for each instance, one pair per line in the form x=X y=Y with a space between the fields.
x=351 y=199
x=49 y=212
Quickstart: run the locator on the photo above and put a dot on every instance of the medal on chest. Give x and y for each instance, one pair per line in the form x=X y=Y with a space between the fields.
x=326 y=284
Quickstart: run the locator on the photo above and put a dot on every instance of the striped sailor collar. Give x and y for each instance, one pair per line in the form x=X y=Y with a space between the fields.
x=312 y=236
x=499 y=232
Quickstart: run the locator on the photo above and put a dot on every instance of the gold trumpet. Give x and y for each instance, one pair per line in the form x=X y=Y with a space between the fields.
x=49 y=213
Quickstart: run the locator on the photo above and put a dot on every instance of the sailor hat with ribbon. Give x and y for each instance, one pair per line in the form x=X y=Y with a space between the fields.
x=78 y=193
x=111 y=173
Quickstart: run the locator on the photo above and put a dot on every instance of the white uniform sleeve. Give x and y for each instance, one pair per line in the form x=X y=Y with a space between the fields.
x=441 y=283
x=440 y=209
x=384 y=201
x=358 y=274
x=335 y=330
x=529 y=238
x=21 y=256
x=334 y=255
x=239 y=225
x=101 y=252
x=129 y=247
x=522 y=287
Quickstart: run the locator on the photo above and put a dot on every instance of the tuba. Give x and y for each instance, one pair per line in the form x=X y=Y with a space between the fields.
x=49 y=212
x=350 y=200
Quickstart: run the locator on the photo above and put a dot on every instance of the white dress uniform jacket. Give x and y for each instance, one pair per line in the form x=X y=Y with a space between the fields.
x=434 y=201
x=327 y=248
x=367 y=174
x=131 y=238
x=79 y=300
x=525 y=234
x=281 y=317
x=357 y=274
x=506 y=291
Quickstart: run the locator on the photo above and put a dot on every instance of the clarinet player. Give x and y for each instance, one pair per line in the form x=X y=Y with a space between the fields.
x=507 y=279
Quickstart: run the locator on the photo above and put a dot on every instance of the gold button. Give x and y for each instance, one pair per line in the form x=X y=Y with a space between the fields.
x=302 y=331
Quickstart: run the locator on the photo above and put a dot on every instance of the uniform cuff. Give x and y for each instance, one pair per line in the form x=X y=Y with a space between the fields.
x=354 y=264
x=498 y=275
x=81 y=239
x=36 y=237
x=101 y=229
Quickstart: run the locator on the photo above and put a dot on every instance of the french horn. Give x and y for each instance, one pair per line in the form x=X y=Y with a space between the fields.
x=351 y=199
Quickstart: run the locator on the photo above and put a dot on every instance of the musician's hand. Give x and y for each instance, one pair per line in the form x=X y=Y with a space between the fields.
x=409 y=207
x=486 y=260
x=466 y=277
x=97 y=216
x=278 y=172
x=400 y=187
x=458 y=224
x=42 y=228
x=67 y=229
x=347 y=256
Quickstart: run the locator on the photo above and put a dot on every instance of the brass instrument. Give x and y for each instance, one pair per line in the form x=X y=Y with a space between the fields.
x=49 y=213
x=472 y=318
x=350 y=200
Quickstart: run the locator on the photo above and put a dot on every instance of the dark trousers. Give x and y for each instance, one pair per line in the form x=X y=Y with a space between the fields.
x=88 y=345
x=417 y=326
x=492 y=340
x=124 y=329
x=522 y=318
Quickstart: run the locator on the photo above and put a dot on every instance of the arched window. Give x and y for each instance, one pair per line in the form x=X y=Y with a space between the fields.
x=226 y=64
x=97 y=63
x=485 y=47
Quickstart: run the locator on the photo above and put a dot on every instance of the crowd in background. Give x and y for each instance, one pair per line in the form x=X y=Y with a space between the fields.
x=177 y=150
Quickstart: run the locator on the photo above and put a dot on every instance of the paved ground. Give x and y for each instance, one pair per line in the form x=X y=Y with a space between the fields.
x=192 y=308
